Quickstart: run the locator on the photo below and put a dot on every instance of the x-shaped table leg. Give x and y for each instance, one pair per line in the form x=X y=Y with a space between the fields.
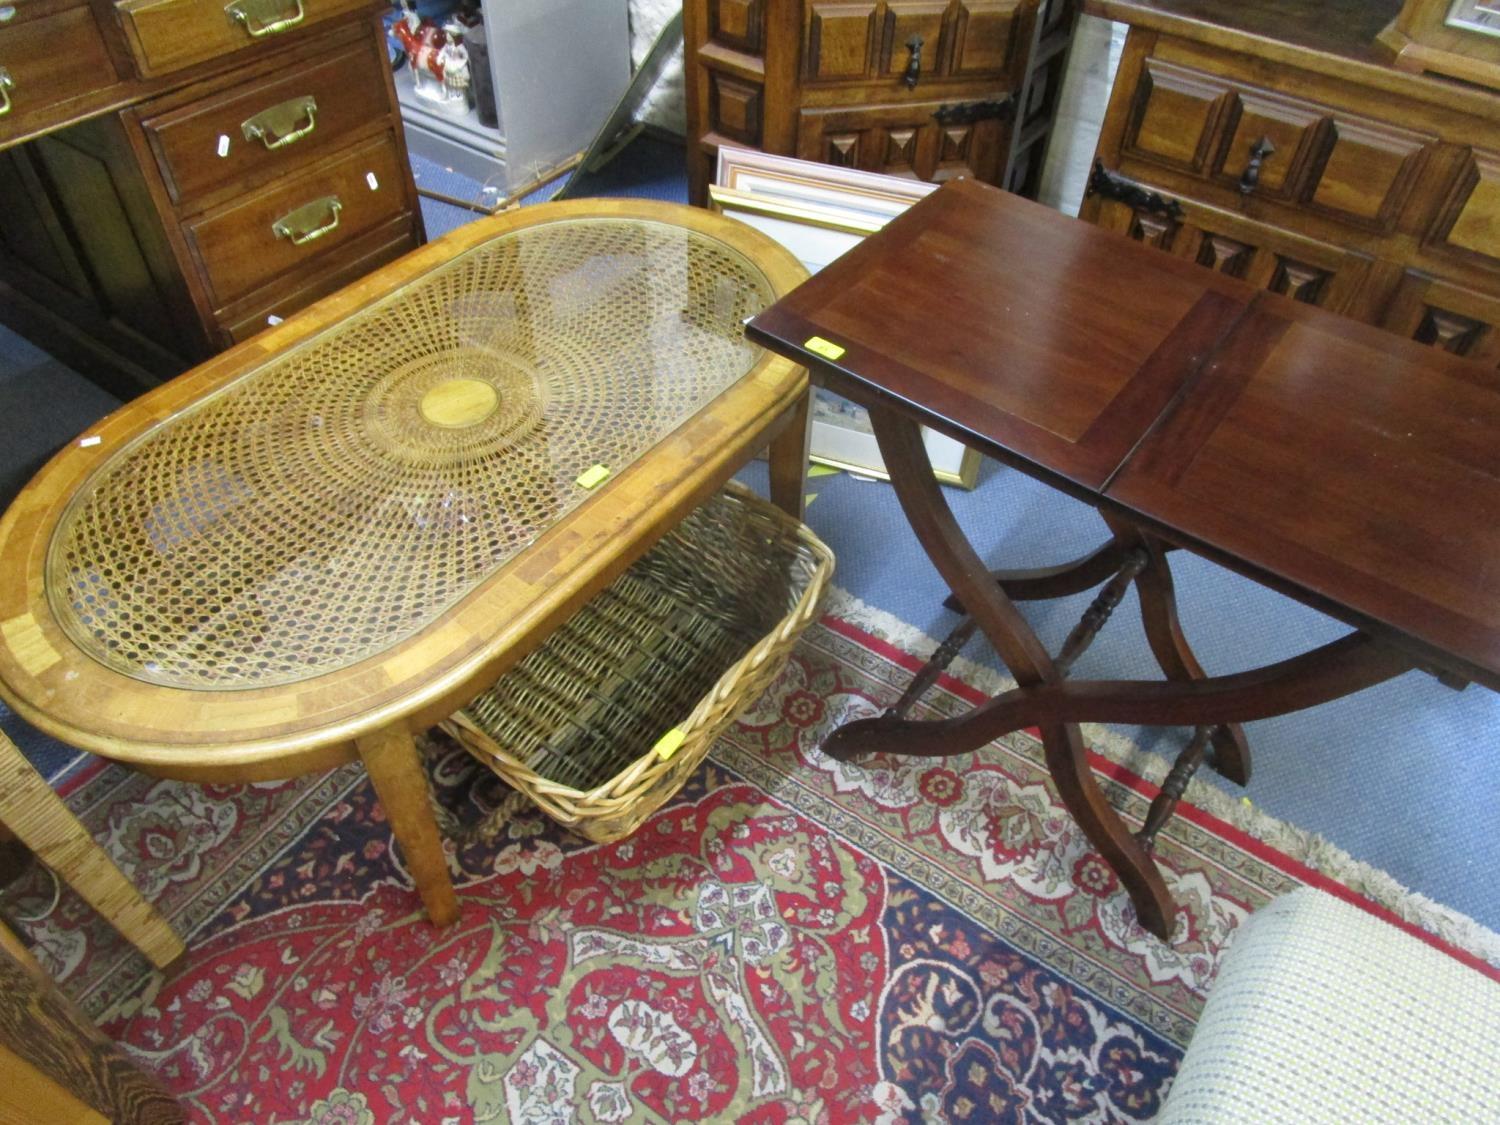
x=1045 y=699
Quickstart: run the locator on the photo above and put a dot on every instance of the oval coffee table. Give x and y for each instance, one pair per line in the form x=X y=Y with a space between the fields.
x=339 y=532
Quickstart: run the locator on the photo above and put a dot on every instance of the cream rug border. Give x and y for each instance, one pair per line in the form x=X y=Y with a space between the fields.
x=1305 y=847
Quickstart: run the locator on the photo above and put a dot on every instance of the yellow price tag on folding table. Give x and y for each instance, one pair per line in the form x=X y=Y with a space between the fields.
x=825 y=348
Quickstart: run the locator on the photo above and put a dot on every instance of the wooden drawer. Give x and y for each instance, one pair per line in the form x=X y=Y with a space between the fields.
x=1301 y=268
x=1268 y=144
x=862 y=41
x=990 y=38
x=1469 y=223
x=270 y=127
x=1452 y=317
x=839 y=41
x=167 y=35
x=47 y=62
x=364 y=255
x=926 y=141
x=239 y=247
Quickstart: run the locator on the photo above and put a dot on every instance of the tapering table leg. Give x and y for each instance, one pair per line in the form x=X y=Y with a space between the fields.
x=395 y=769
x=1067 y=762
x=788 y=459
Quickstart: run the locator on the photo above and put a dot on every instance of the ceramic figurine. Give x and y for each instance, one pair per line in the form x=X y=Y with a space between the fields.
x=422 y=40
x=453 y=65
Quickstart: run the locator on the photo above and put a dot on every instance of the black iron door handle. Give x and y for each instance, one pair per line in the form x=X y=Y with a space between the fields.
x=967 y=113
x=913 y=73
x=1111 y=185
x=1250 y=178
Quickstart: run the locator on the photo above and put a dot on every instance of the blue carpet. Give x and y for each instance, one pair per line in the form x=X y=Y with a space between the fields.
x=44 y=404
x=1398 y=775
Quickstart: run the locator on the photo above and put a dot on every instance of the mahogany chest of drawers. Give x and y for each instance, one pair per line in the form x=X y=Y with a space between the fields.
x=180 y=173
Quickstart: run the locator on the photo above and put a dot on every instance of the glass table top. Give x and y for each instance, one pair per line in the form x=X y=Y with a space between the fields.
x=344 y=494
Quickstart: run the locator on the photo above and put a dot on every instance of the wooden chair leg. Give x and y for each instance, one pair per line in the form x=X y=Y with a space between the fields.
x=41 y=821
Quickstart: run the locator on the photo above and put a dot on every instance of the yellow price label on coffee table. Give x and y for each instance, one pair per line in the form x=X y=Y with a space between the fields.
x=592 y=476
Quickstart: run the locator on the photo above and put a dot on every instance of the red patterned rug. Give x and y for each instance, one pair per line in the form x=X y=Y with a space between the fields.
x=789 y=940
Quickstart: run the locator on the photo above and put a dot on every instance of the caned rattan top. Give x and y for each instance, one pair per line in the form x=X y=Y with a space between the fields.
x=343 y=495
x=312 y=508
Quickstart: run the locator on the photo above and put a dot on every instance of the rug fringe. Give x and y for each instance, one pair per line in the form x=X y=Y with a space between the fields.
x=1305 y=847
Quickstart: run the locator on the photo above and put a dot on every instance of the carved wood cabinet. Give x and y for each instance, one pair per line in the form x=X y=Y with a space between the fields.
x=928 y=89
x=1272 y=140
x=180 y=173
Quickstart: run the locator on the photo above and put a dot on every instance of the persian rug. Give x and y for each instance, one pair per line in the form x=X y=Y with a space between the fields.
x=789 y=940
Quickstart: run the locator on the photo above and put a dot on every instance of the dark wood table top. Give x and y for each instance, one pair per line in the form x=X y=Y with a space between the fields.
x=1352 y=469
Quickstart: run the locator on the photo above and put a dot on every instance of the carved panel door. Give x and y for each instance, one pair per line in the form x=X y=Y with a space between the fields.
x=1447 y=316
x=925 y=141
x=1301 y=268
x=1347 y=167
x=914 y=41
x=925 y=89
x=1468 y=226
x=988 y=37
x=840 y=41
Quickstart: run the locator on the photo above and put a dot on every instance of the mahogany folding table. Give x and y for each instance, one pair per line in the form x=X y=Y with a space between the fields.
x=1347 y=468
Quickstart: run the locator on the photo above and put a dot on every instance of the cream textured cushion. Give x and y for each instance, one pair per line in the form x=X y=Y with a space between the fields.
x=1323 y=1013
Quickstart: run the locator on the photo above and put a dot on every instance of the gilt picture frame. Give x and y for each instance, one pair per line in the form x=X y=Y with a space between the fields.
x=819 y=212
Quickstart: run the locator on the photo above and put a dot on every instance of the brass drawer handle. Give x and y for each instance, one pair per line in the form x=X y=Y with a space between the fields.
x=310 y=221
x=6 y=85
x=259 y=17
x=281 y=122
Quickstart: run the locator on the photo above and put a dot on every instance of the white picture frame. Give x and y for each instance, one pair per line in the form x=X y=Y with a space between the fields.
x=819 y=212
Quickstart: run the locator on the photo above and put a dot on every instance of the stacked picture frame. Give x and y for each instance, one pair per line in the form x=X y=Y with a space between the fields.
x=818 y=211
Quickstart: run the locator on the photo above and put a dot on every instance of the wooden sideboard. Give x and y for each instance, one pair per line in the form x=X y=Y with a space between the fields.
x=929 y=89
x=1273 y=140
x=180 y=173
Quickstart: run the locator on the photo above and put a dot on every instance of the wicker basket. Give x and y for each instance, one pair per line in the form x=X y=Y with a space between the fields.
x=608 y=718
